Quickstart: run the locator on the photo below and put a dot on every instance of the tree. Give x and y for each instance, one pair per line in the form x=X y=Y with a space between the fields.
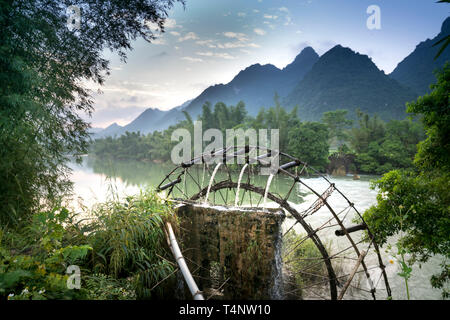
x=309 y=142
x=43 y=68
x=417 y=201
x=337 y=122
x=434 y=110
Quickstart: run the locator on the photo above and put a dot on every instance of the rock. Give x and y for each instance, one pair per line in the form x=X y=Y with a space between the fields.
x=356 y=177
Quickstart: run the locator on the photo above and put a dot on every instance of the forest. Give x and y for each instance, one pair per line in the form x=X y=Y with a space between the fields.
x=375 y=146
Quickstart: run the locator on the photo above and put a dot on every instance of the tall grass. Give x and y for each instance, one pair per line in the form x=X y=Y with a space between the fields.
x=122 y=252
x=129 y=241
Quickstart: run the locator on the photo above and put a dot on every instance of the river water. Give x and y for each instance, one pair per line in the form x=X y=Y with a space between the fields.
x=97 y=181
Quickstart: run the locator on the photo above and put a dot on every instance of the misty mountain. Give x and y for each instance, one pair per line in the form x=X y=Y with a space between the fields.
x=152 y=119
x=257 y=85
x=344 y=79
x=112 y=130
x=416 y=70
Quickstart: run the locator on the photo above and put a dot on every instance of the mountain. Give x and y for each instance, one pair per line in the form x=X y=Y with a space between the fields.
x=257 y=85
x=145 y=122
x=152 y=119
x=416 y=70
x=112 y=130
x=344 y=79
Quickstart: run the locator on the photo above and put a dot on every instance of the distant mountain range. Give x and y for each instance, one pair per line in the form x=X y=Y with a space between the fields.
x=344 y=79
x=339 y=79
x=152 y=119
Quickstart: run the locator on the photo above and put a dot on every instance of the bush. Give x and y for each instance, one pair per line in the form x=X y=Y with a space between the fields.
x=122 y=254
x=129 y=241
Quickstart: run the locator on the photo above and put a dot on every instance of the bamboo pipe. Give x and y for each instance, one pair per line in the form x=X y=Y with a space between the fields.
x=196 y=293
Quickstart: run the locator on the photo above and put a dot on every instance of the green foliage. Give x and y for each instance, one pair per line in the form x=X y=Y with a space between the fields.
x=381 y=146
x=337 y=122
x=434 y=109
x=128 y=240
x=39 y=271
x=426 y=203
x=105 y=287
x=309 y=142
x=423 y=193
x=44 y=68
x=122 y=253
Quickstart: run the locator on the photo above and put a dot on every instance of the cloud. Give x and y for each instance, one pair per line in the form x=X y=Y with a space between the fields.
x=260 y=32
x=284 y=9
x=241 y=41
x=112 y=113
x=207 y=43
x=188 y=36
x=241 y=14
x=170 y=24
x=190 y=59
x=268 y=16
x=236 y=35
x=217 y=55
x=175 y=33
x=158 y=41
x=237 y=44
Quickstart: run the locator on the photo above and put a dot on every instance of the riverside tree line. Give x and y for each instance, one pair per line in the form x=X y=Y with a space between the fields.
x=374 y=145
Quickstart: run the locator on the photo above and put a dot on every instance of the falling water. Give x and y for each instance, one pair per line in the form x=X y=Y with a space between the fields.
x=210 y=182
x=277 y=292
x=236 y=200
x=203 y=175
x=269 y=181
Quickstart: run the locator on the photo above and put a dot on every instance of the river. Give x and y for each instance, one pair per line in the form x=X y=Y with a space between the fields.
x=97 y=181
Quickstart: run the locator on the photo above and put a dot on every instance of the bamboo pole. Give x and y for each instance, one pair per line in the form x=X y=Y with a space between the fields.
x=352 y=274
x=196 y=293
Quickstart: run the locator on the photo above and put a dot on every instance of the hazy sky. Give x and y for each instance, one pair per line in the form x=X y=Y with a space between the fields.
x=210 y=41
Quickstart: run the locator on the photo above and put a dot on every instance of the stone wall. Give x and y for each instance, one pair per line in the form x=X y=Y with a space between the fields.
x=233 y=254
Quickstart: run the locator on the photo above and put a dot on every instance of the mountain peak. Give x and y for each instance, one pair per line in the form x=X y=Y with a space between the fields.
x=253 y=72
x=306 y=52
x=258 y=66
x=302 y=63
x=342 y=58
x=341 y=50
x=306 y=57
x=113 y=126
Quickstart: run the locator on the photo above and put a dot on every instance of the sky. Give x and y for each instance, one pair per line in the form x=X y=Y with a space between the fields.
x=209 y=41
